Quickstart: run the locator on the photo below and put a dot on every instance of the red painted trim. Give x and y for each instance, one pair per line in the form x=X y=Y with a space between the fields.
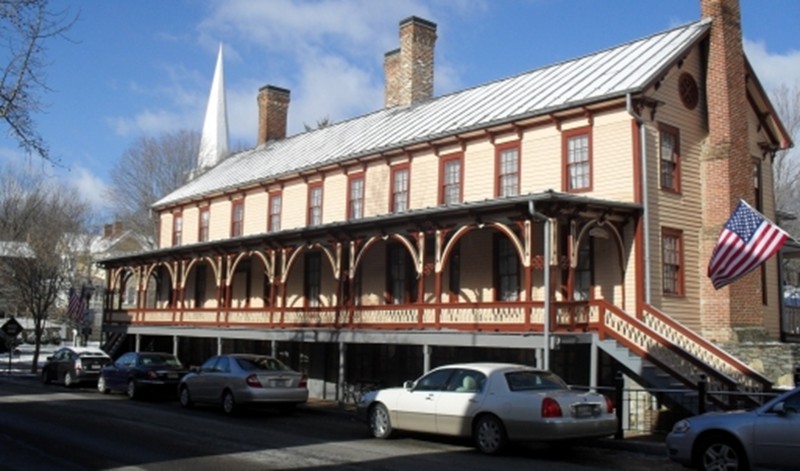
x=350 y=179
x=678 y=234
x=177 y=234
x=204 y=227
x=270 y=214
x=675 y=132
x=565 y=137
x=236 y=204
x=443 y=161
x=393 y=171
x=498 y=150
x=311 y=188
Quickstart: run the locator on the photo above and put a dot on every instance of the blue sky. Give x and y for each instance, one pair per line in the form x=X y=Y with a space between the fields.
x=133 y=68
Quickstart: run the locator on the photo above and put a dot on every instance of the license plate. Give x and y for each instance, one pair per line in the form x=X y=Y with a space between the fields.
x=94 y=367
x=583 y=410
x=278 y=383
x=172 y=375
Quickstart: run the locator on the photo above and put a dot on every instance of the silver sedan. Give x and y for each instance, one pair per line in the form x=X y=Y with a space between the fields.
x=765 y=437
x=493 y=403
x=233 y=380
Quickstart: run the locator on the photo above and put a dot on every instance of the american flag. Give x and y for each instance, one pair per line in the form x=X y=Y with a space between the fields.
x=77 y=305
x=747 y=240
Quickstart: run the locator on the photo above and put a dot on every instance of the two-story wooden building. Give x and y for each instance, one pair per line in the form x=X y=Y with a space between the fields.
x=562 y=217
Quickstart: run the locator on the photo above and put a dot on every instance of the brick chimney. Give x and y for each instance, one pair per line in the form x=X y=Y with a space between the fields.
x=726 y=170
x=273 y=108
x=409 y=70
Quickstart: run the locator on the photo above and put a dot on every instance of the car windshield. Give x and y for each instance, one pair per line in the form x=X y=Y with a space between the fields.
x=261 y=364
x=92 y=355
x=160 y=360
x=533 y=380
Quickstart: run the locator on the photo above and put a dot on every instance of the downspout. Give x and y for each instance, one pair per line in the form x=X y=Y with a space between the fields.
x=547 y=229
x=645 y=199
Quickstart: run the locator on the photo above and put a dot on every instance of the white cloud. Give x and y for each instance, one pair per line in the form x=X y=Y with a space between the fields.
x=152 y=122
x=90 y=187
x=773 y=69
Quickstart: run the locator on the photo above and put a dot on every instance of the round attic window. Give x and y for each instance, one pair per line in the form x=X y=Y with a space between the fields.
x=687 y=88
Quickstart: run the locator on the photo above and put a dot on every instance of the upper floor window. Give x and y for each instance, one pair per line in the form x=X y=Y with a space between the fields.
x=275 y=205
x=315 y=204
x=577 y=145
x=507 y=169
x=450 y=177
x=399 y=189
x=205 y=218
x=237 y=218
x=672 y=261
x=670 y=157
x=177 y=228
x=355 y=197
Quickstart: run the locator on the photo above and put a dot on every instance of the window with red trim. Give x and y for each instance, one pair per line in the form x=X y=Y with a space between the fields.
x=670 y=157
x=177 y=228
x=275 y=208
x=314 y=204
x=577 y=149
x=507 y=270
x=507 y=169
x=205 y=219
x=355 y=196
x=400 y=184
x=450 y=180
x=237 y=218
x=672 y=261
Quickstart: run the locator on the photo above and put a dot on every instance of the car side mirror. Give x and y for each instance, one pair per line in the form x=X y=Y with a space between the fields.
x=409 y=385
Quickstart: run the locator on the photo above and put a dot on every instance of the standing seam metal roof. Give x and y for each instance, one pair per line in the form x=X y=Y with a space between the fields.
x=613 y=72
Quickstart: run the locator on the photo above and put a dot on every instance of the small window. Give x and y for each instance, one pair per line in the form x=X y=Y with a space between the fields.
x=672 y=261
x=355 y=197
x=577 y=160
x=275 y=205
x=451 y=180
x=669 y=153
x=399 y=189
x=177 y=229
x=237 y=219
x=507 y=169
x=315 y=204
x=205 y=218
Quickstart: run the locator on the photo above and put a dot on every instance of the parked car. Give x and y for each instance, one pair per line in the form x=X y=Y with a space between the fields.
x=234 y=380
x=73 y=366
x=493 y=403
x=137 y=373
x=765 y=437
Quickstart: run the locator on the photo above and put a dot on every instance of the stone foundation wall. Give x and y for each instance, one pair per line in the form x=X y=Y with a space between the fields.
x=774 y=360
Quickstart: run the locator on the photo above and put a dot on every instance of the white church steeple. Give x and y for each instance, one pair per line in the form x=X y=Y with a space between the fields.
x=214 y=140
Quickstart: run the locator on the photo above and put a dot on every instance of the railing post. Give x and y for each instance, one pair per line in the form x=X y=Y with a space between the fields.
x=702 y=386
x=619 y=386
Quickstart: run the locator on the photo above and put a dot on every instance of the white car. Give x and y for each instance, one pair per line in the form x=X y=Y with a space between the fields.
x=494 y=403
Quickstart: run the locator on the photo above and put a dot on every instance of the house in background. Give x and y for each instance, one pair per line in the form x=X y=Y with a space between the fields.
x=562 y=217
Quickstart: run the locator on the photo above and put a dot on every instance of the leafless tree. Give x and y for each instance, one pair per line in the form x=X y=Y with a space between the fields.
x=321 y=123
x=40 y=230
x=151 y=168
x=25 y=28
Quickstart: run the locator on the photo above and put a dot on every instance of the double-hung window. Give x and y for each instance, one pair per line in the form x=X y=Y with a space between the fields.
x=205 y=219
x=507 y=169
x=315 y=204
x=177 y=228
x=399 y=189
x=672 y=261
x=577 y=148
x=355 y=197
x=275 y=206
x=670 y=157
x=450 y=177
x=237 y=218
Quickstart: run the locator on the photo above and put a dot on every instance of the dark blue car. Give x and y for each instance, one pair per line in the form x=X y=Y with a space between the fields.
x=138 y=373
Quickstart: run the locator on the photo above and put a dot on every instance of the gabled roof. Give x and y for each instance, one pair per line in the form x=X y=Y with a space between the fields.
x=611 y=73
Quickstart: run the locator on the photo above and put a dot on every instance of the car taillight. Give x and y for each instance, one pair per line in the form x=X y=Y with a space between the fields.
x=253 y=381
x=303 y=382
x=550 y=408
x=609 y=405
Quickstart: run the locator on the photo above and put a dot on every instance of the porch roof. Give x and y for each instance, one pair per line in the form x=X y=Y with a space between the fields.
x=548 y=203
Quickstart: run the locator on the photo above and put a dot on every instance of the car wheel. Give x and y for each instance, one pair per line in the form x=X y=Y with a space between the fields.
x=721 y=453
x=101 y=385
x=228 y=403
x=489 y=435
x=133 y=391
x=69 y=381
x=380 y=424
x=185 y=398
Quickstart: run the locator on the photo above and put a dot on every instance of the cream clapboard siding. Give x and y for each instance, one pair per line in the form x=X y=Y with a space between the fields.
x=255 y=212
x=220 y=219
x=424 y=180
x=376 y=189
x=540 y=166
x=680 y=211
x=165 y=229
x=295 y=209
x=612 y=156
x=479 y=171
x=191 y=215
x=334 y=198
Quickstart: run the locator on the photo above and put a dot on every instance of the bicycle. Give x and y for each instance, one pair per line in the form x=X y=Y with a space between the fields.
x=353 y=392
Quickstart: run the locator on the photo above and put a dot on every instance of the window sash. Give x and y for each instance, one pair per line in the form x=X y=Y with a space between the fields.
x=275 y=204
x=357 y=198
x=177 y=229
x=451 y=181
x=671 y=262
x=205 y=218
x=237 y=223
x=668 y=149
x=509 y=174
x=578 y=169
x=507 y=271
x=400 y=190
x=315 y=206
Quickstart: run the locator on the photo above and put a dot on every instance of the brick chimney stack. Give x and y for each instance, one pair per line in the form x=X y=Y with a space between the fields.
x=409 y=70
x=273 y=109
x=727 y=170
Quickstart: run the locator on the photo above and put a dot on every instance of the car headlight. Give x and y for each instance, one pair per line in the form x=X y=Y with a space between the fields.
x=681 y=426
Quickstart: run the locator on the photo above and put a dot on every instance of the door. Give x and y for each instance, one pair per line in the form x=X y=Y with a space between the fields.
x=416 y=409
x=459 y=402
x=776 y=435
x=117 y=375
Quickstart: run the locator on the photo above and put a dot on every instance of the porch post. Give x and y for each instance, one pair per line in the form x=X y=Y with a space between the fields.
x=342 y=371
x=138 y=342
x=219 y=345
x=175 y=345
x=593 y=358
x=427 y=350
